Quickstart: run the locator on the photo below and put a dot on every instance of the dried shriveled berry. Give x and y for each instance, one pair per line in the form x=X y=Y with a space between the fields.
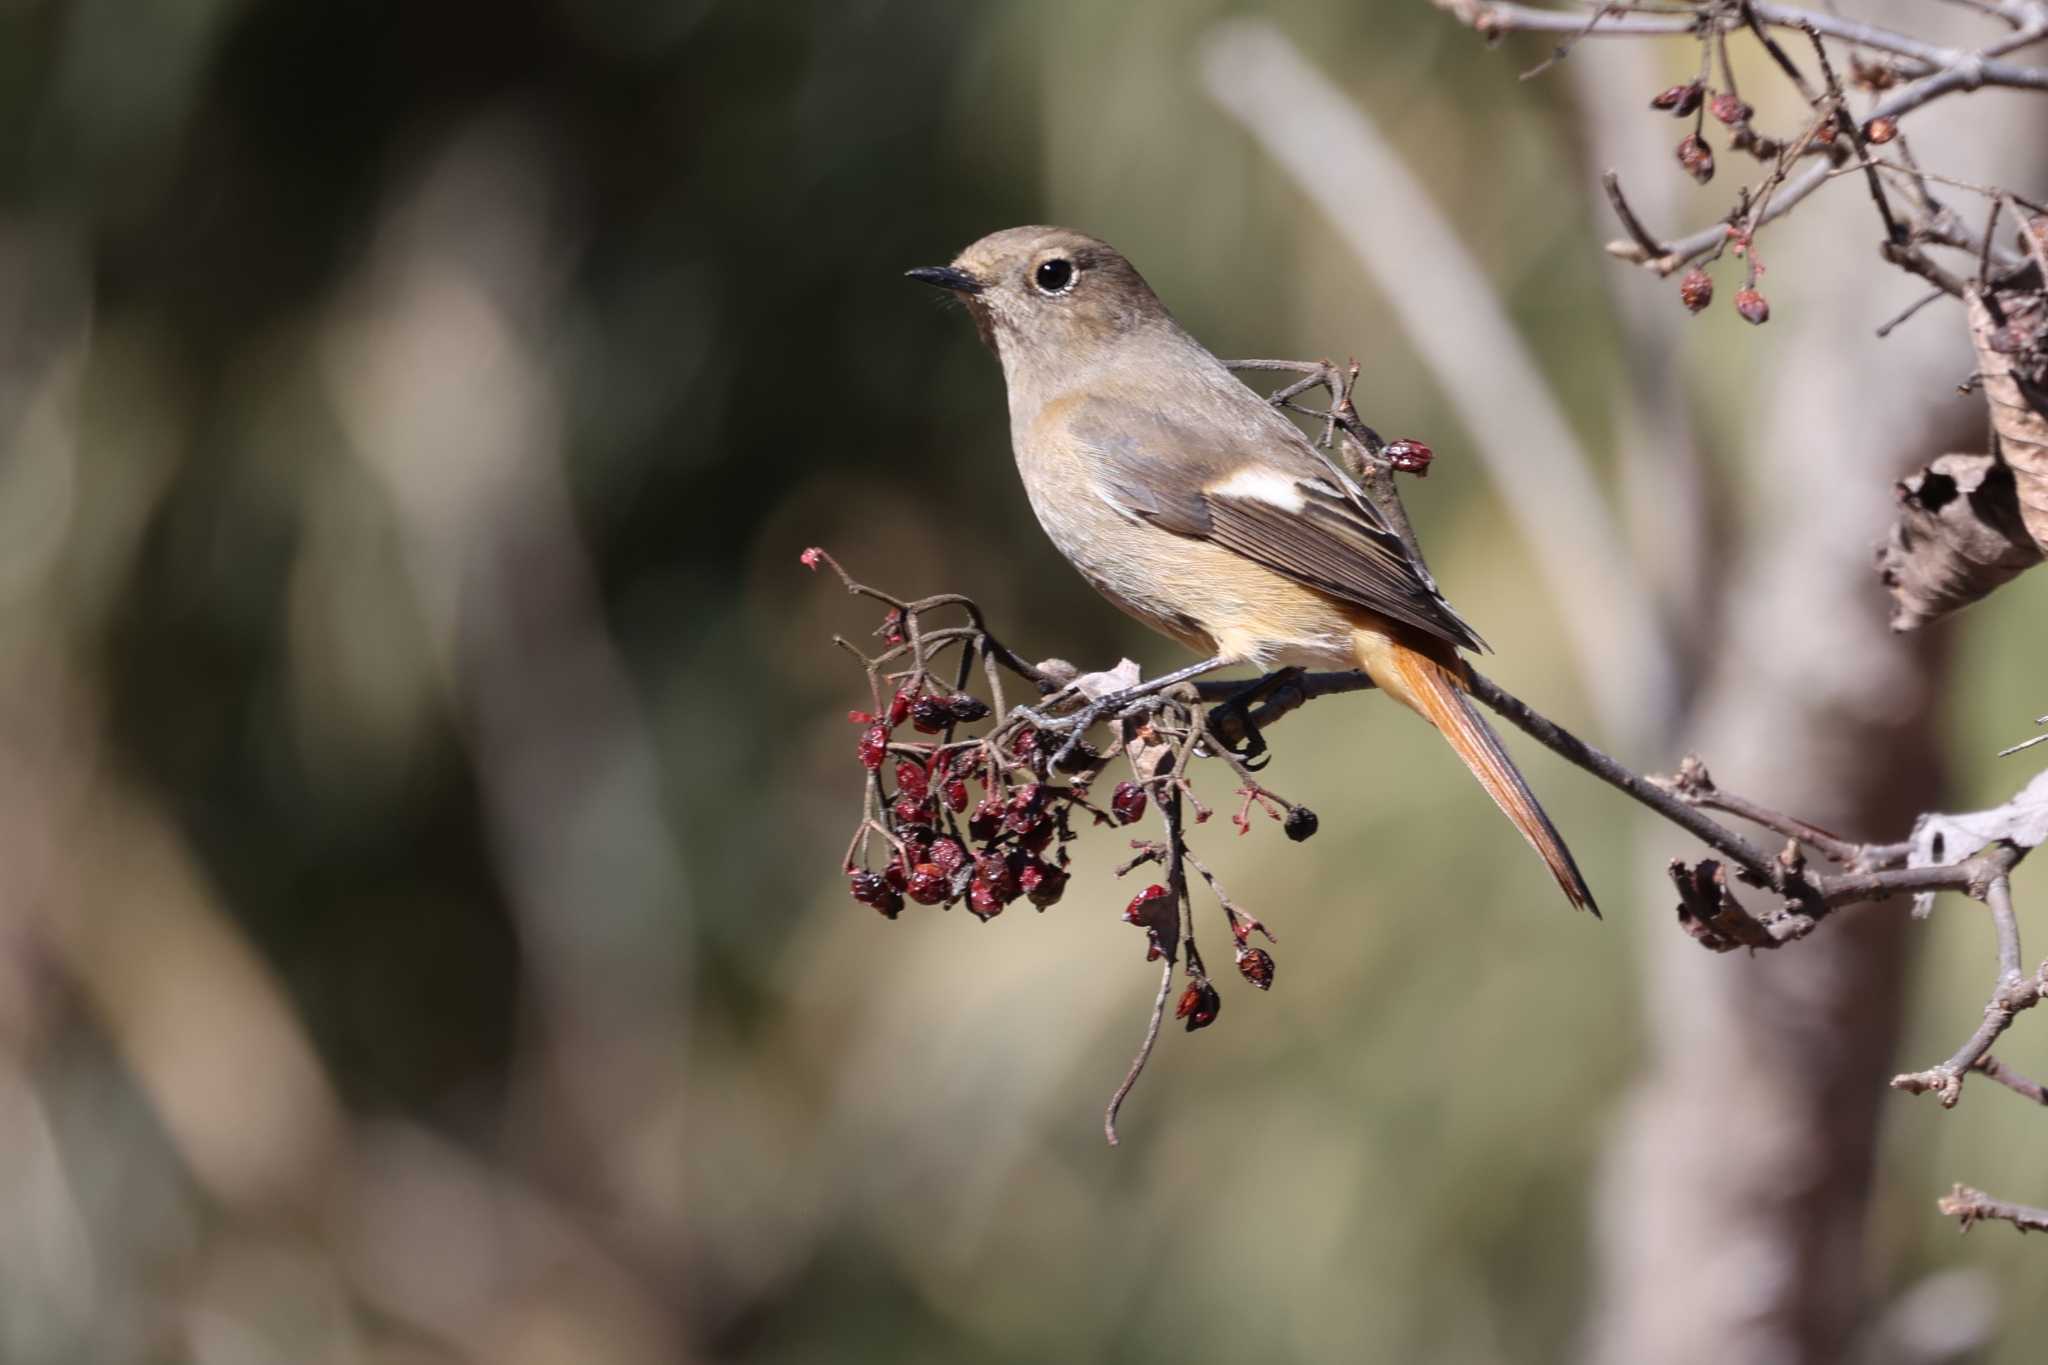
x=912 y=810
x=912 y=780
x=894 y=874
x=928 y=884
x=1199 y=1004
x=1755 y=309
x=949 y=853
x=955 y=792
x=987 y=818
x=1410 y=456
x=1301 y=824
x=929 y=714
x=996 y=873
x=966 y=708
x=899 y=708
x=874 y=746
x=1048 y=886
x=1881 y=130
x=871 y=888
x=1696 y=290
x=1128 y=802
x=982 y=900
x=1256 y=966
x=1140 y=910
x=1729 y=109
x=1696 y=157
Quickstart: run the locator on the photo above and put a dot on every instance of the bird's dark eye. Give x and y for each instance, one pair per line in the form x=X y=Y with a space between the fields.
x=1054 y=275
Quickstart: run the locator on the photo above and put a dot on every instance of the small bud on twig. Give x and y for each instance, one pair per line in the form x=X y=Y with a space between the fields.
x=1755 y=309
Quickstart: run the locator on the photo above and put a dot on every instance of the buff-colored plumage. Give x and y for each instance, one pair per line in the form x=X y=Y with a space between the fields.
x=1191 y=503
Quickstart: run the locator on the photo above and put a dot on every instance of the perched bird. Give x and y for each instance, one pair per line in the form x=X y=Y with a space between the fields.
x=1193 y=504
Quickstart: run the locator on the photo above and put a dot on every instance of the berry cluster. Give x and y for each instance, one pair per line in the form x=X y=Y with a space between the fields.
x=1011 y=845
x=1696 y=100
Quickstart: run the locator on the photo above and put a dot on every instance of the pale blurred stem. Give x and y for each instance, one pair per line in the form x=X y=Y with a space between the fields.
x=2020 y=1084
x=2010 y=994
x=1974 y=1206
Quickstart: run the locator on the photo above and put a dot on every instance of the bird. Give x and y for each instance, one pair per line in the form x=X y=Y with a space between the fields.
x=1193 y=504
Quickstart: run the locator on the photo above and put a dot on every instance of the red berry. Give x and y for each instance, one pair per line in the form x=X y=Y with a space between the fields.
x=1199 y=1004
x=929 y=884
x=987 y=818
x=983 y=901
x=1697 y=158
x=912 y=780
x=1256 y=966
x=1881 y=130
x=1410 y=457
x=912 y=811
x=1696 y=290
x=1729 y=109
x=1755 y=309
x=955 y=793
x=899 y=708
x=996 y=873
x=874 y=745
x=929 y=714
x=949 y=853
x=1128 y=802
x=893 y=872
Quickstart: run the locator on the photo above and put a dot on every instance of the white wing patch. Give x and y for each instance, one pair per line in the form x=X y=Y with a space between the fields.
x=1254 y=484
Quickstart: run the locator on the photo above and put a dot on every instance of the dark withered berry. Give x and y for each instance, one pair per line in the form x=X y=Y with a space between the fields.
x=929 y=714
x=1300 y=824
x=871 y=888
x=1199 y=1004
x=966 y=708
x=1050 y=886
x=1256 y=966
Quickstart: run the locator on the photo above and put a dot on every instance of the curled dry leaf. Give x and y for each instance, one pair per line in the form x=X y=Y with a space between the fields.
x=1958 y=536
x=2010 y=333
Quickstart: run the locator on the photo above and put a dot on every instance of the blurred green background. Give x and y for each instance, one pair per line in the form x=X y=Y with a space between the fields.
x=425 y=767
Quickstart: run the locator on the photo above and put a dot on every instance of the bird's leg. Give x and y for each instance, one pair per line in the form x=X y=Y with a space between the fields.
x=1237 y=706
x=1080 y=722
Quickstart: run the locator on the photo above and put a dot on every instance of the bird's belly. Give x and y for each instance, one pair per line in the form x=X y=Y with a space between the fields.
x=1210 y=599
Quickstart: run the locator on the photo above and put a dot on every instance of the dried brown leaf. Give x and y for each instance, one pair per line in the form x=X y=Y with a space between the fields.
x=1959 y=535
x=2010 y=334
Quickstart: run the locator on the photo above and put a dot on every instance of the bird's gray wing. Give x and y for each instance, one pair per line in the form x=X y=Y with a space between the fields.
x=1257 y=488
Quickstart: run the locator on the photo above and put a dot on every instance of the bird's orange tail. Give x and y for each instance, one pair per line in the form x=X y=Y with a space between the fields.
x=1432 y=690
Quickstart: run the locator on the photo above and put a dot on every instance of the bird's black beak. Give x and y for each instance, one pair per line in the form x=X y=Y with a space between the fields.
x=945 y=277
